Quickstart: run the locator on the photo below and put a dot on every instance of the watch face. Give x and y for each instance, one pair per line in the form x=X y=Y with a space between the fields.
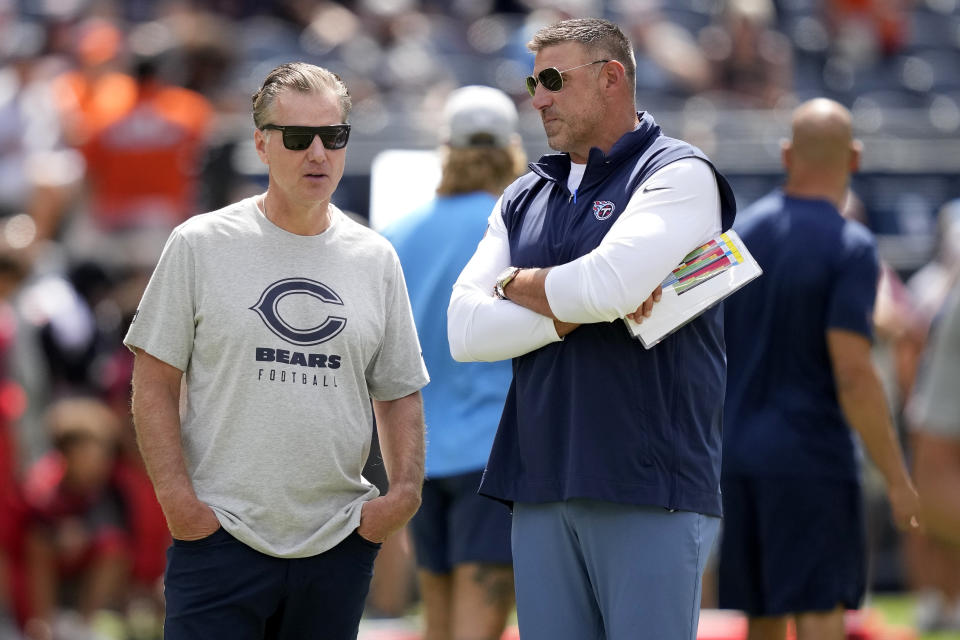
x=504 y=279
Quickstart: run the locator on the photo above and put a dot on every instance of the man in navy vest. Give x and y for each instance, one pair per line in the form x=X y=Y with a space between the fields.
x=608 y=453
x=801 y=376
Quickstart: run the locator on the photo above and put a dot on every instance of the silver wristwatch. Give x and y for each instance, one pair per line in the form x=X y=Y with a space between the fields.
x=503 y=280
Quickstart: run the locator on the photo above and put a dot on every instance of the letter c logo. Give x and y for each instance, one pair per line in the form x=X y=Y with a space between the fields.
x=266 y=308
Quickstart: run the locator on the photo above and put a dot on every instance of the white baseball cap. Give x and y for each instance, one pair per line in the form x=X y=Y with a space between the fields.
x=479 y=116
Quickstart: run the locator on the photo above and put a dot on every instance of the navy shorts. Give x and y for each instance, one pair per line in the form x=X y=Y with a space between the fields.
x=218 y=587
x=455 y=525
x=791 y=545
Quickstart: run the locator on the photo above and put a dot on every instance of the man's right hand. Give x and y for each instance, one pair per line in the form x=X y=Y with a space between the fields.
x=643 y=311
x=192 y=522
x=563 y=328
x=646 y=308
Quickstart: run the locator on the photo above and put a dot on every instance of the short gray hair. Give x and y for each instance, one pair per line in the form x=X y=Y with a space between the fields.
x=302 y=77
x=599 y=36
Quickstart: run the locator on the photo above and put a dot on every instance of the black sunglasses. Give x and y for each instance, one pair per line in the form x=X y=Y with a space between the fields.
x=552 y=78
x=333 y=136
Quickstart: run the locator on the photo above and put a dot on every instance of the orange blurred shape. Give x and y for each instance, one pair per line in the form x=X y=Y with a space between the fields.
x=98 y=41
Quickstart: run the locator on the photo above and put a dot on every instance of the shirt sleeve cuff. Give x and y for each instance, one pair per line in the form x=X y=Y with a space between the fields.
x=560 y=286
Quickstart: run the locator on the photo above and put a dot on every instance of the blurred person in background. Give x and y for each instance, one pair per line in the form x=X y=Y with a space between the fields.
x=12 y=400
x=800 y=383
x=866 y=30
x=461 y=539
x=97 y=50
x=615 y=493
x=142 y=138
x=931 y=284
x=751 y=63
x=290 y=326
x=39 y=172
x=205 y=45
x=935 y=560
x=77 y=542
x=669 y=58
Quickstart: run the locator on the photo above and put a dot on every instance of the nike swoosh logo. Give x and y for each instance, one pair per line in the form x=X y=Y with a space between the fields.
x=649 y=189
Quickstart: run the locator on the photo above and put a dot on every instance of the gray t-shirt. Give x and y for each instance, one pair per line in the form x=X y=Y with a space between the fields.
x=935 y=407
x=284 y=339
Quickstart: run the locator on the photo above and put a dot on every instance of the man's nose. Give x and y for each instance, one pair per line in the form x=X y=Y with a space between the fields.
x=316 y=150
x=542 y=98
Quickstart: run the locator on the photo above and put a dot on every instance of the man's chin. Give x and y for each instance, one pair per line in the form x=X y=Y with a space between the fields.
x=556 y=143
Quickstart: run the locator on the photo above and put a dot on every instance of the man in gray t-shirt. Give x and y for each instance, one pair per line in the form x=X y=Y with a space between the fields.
x=265 y=332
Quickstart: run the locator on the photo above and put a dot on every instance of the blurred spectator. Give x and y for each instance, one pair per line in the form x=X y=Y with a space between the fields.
x=934 y=414
x=65 y=330
x=141 y=166
x=77 y=548
x=934 y=563
x=84 y=94
x=867 y=29
x=12 y=272
x=143 y=141
x=751 y=62
x=934 y=559
x=669 y=59
x=57 y=342
x=932 y=282
x=37 y=172
x=93 y=539
x=204 y=46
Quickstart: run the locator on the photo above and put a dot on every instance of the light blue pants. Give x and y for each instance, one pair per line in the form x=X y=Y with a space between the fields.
x=592 y=570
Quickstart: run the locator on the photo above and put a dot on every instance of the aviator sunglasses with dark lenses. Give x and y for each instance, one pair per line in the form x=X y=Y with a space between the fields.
x=552 y=78
x=333 y=136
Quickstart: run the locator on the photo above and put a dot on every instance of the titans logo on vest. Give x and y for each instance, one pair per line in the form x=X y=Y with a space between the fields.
x=603 y=209
x=289 y=308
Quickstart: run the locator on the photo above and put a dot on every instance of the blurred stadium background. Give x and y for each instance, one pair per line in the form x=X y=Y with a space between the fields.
x=118 y=119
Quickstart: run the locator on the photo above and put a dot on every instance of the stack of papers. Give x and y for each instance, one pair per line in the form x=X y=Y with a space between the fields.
x=707 y=275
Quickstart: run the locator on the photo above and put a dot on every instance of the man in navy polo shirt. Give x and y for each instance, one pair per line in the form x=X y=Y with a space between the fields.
x=608 y=453
x=799 y=376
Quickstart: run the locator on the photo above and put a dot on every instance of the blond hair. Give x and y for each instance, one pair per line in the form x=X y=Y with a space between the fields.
x=469 y=169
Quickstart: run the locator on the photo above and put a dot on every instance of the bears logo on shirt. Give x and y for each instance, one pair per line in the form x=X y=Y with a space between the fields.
x=268 y=310
x=603 y=209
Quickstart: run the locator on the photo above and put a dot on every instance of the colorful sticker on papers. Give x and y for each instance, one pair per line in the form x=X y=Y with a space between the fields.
x=703 y=263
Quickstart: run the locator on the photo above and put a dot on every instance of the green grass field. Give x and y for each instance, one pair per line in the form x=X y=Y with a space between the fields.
x=898 y=610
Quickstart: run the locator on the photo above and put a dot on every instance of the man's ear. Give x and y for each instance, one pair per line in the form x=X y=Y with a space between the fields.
x=260 y=142
x=856 y=149
x=785 y=153
x=613 y=73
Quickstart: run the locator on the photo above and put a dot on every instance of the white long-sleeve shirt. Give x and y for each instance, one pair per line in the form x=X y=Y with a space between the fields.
x=674 y=211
